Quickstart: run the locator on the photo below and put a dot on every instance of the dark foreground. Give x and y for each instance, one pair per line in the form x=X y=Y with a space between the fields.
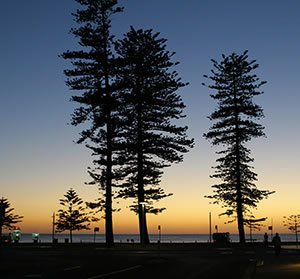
x=190 y=260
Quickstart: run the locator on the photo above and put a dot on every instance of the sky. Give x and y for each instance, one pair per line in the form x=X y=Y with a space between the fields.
x=40 y=161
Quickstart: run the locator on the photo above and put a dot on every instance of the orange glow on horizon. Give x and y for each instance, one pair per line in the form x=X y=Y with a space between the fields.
x=186 y=211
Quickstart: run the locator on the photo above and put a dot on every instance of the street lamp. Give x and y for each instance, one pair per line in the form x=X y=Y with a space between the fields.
x=96 y=229
x=209 y=217
x=53 y=226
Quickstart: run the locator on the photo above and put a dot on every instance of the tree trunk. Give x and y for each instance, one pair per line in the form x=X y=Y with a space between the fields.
x=144 y=238
x=239 y=204
x=146 y=235
x=240 y=220
x=141 y=222
x=109 y=236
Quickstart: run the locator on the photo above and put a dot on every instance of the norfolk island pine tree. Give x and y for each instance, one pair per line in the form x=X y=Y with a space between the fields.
x=234 y=125
x=152 y=139
x=93 y=75
x=73 y=216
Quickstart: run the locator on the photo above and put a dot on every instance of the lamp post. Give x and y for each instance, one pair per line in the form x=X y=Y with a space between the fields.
x=159 y=234
x=296 y=228
x=96 y=229
x=53 y=226
x=209 y=227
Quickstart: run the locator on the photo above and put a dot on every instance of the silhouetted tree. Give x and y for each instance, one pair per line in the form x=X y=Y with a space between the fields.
x=99 y=204
x=293 y=224
x=93 y=74
x=150 y=105
x=7 y=218
x=73 y=216
x=235 y=86
x=253 y=224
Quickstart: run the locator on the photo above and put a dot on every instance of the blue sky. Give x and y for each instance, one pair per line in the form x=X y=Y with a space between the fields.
x=38 y=157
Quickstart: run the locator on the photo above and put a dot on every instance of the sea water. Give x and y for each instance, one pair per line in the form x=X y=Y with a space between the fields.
x=154 y=238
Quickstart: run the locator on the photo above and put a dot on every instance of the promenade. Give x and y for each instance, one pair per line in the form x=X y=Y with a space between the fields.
x=285 y=266
x=194 y=260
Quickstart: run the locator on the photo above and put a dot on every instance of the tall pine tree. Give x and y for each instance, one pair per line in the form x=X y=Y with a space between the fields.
x=151 y=105
x=235 y=86
x=93 y=76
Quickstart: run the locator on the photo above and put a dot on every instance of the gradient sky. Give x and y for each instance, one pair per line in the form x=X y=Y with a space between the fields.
x=39 y=160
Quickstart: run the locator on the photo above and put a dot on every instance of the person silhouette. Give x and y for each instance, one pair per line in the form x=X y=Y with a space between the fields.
x=277 y=244
x=266 y=240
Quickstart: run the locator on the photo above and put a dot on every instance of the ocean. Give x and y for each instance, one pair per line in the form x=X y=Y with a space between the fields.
x=132 y=238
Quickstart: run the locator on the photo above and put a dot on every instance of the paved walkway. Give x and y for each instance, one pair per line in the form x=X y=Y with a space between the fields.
x=284 y=266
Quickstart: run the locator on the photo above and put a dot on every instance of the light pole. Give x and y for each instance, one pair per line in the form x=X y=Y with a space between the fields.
x=159 y=239
x=159 y=234
x=96 y=229
x=209 y=227
x=271 y=228
x=296 y=229
x=53 y=226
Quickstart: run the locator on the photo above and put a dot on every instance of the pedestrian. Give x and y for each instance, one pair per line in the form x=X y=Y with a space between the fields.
x=266 y=240
x=277 y=244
